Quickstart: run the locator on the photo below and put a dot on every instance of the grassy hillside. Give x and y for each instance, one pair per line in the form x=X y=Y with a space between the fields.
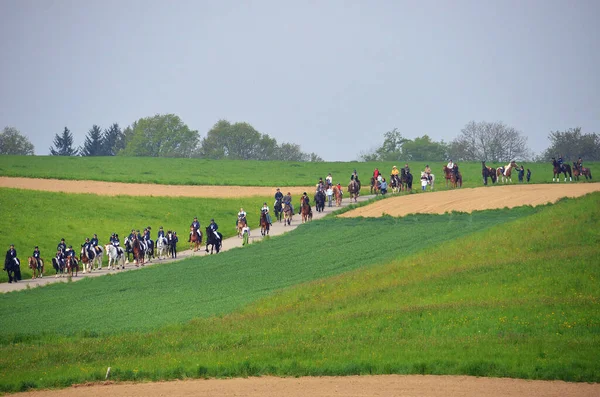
x=518 y=299
x=162 y=294
x=31 y=218
x=227 y=172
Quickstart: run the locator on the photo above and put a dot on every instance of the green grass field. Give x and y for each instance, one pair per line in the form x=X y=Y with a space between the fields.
x=230 y=172
x=33 y=218
x=511 y=293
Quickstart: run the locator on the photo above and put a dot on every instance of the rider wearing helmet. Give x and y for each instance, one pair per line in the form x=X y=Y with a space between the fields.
x=214 y=227
x=242 y=215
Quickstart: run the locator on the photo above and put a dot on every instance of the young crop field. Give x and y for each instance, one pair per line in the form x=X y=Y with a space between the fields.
x=234 y=172
x=505 y=293
x=31 y=218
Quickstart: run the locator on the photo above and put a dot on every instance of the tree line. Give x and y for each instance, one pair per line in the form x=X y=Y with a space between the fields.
x=489 y=141
x=168 y=136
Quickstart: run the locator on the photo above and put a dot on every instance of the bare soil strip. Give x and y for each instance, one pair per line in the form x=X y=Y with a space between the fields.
x=357 y=386
x=472 y=199
x=142 y=189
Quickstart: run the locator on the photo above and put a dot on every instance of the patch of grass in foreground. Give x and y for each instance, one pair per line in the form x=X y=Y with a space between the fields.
x=518 y=300
x=207 y=286
x=31 y=218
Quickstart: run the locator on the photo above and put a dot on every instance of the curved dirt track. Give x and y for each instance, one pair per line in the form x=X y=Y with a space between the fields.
x=472 y=199
x=357 y=386
x=143 y=189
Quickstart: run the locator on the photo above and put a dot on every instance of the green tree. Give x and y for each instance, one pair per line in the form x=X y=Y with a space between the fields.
x=241 y=141
x=13 y=142
x=63 y=144
x=424 y=149
x=160 y=136
x=94 y=143
x=572 y=144
x=111 y=140
x=390 y=150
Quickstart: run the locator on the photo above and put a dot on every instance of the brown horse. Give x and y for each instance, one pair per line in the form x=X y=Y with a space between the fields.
x=240 y=226
x=374 y=185
x=456 y=178
x=338 y=196
x=37 y=269
x=487 y=172
x=305 y=211
x=138 y=253
x=354 y=191
x=71 y=264
x=264 y=224
x=447 y=174
x=195 y=239
x=577 y=171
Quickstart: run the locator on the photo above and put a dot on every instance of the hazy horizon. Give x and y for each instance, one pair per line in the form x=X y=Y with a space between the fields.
x=330 y=76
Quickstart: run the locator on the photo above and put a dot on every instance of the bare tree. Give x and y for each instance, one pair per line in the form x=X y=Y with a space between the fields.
x=489 y=141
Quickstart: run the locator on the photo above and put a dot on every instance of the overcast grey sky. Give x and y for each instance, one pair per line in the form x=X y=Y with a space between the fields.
x=330 y=75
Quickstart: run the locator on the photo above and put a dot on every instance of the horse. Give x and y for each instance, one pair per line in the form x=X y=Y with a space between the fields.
x=320 y=201
x=86 y=260
x=162 y=247
x=447 y=174
x=305 y=211
x=241 y=224
x=456 y=177
x=71 y=263
x=287 y=214
x=566 y=169
x=406 y=180
x=139 y=255
x=505 y=172
x=354 y=191
x=128 y=249
x=264 y=224
x=431 y=180
x=487 y=172
x=195 y=239
x=213 y=241
x=337 y=193
x=374 y=185
x=278 y=208
x=115 y=256
x=37 y=267
x=581 y=171
x=99 y=252
x=58 y=267
x=395 y=183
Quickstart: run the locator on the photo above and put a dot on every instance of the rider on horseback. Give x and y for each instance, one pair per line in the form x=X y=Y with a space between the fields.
x=560 y=163
x=395 y=171
x=89 y=248
x=428 y=172
x=36 y=255
x=278 y=195
x=304 y=200
x=287 y=200
x=214 y=227
x=95 y=243
x=329 y=179
x=265 y=210
x=196 y=227
x=161 y=232
x=580 y=164
x=242 y=215
x=62 y=246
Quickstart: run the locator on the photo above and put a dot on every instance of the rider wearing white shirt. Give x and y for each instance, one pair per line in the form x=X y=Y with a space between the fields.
x=265 y=209
x=241 y=215
x=450 y=164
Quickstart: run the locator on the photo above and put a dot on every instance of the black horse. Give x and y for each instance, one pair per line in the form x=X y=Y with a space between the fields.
x=487 y=172
x=406 y=179
x=278 y=210
x=212 y=240
x=13 y=268
x=565 y=169
x=128 y=249
x=320 y=201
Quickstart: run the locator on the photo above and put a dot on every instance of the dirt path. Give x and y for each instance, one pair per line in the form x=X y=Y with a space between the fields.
x=356 y=386
x=467 y=200
x=233 y=242
x=142 y=189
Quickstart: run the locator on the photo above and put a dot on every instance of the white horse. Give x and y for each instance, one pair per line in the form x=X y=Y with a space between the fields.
x=161 y=247
x=432 y=181
x=98 y=258
x=116 y=256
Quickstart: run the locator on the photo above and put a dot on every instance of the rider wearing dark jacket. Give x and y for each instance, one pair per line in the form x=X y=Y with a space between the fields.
x=278 y=195
x=36 y=254
x=62 y=246
x=213 y=228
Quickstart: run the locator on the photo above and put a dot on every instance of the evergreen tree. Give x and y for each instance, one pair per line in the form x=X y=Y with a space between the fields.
x=63 y=144
x=93 y=145
x=111 y=140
